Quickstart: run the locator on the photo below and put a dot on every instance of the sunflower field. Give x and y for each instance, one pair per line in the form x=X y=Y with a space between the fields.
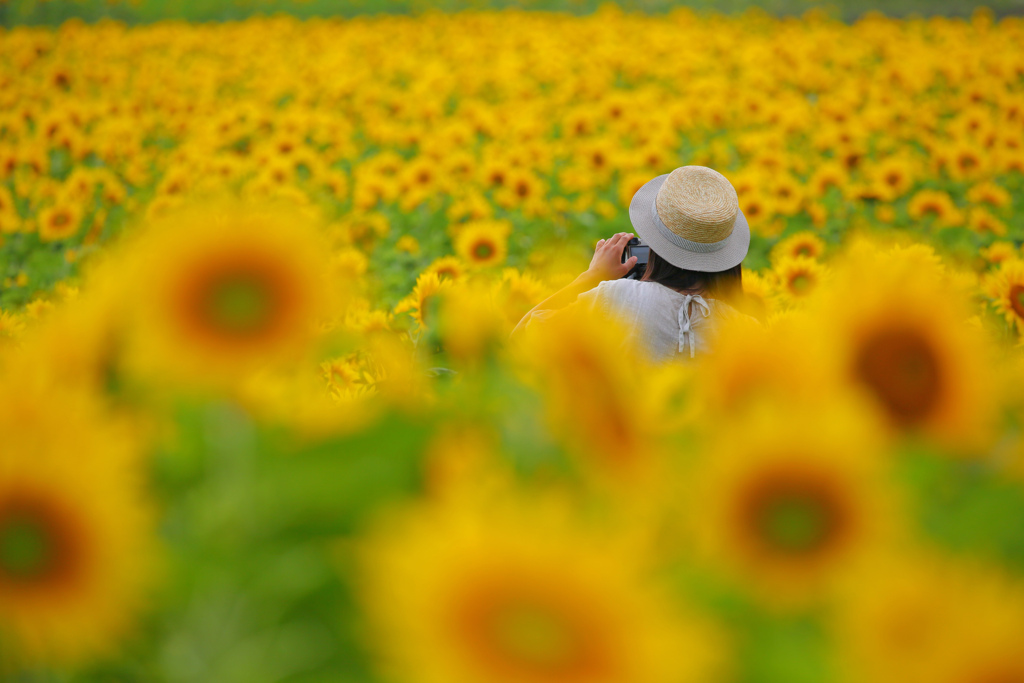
x=263 y=417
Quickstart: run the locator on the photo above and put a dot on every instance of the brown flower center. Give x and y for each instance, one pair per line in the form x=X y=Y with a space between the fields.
x=248 y=299
x=1017 y=300
x=37 y=545
x=529 y=632
x=900 y=367
x=793 y=514
x=483 y=250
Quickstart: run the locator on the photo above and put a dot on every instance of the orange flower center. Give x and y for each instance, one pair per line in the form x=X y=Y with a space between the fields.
x=801 y=283
x=901 y=369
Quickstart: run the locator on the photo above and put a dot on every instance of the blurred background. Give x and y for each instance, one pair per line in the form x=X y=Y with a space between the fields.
x=55 y=11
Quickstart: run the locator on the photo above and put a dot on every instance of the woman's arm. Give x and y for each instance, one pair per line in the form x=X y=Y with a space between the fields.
x=605 y=265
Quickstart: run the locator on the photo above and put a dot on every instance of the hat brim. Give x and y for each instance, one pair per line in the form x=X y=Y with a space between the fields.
x=732 y=254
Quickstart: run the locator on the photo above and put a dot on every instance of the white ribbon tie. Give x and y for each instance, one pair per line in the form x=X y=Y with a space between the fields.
x=685 y=333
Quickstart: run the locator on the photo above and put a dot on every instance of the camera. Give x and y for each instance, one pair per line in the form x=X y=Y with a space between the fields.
x=642 y=252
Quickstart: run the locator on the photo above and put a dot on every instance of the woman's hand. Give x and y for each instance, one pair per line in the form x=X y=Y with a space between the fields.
x=606 y=264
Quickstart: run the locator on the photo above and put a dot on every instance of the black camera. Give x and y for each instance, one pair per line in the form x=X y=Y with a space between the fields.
x=635 y=247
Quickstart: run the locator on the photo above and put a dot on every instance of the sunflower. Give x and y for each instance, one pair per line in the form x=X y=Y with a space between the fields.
x=804 y=243
x=446 y=268
x=966 y=161
x=892 y=178
x=935 y=203
x=514 y=591
x=798 y=276
x=574 y=359
x=903 y=341
x=828 y=175
x=518 y=293
x=521 y=188
x=11 y=327
x=759 y=291
x=991 y=194
x=630 y=184
x=10 y=222
x=927 y=619
x=999 y=252
x=752 y=363
x=77 y=543
x=981 y=221
x=757 y=208
x=422 y=302
x=225 y=289
x=1006 y=288
x=408 y=245
x=481 y=244
x=789 y=511
x=59 y=222
x=469 y=207
x=787 y=194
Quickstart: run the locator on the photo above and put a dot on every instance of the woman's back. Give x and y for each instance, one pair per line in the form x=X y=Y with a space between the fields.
x=666 y=323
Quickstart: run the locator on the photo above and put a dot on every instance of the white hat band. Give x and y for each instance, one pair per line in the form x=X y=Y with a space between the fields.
x=682 y=242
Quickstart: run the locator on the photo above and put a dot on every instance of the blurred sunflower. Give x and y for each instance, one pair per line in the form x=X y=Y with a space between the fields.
x=408 y=244
x=518 y=293
x=903 y=341
x=423 y=300
x=759 y=291
x=981 y=221
x=575 y=359
x=1006 y=288
x=446 y=268
x=59 y=222
x=935 y=203
x=790 y=511
x=513 y=591
x=989 y=193
x=999 y=252
x=804 y=243
x=481 y=244
x=217 y=291
x=908 y=619
x=77 y=545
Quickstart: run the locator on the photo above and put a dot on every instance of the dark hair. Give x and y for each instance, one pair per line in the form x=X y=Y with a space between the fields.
x=723 y=284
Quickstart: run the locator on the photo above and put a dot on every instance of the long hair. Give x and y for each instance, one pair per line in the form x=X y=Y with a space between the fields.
x=723 y=284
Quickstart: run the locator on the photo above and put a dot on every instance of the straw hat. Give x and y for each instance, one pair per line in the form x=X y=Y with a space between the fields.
x=691 y=217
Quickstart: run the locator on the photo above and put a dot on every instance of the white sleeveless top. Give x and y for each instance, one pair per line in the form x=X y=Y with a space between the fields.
x=664 y=322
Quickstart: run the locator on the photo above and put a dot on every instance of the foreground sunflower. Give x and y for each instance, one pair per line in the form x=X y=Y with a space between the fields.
x=76 y=537
x=788 y=511
x=512 y=591
x=924 y=619
x=575 y=360
x=903 y=342
x=218 y=291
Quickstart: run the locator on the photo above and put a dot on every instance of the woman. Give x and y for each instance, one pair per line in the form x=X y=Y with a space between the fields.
x=698 y=238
